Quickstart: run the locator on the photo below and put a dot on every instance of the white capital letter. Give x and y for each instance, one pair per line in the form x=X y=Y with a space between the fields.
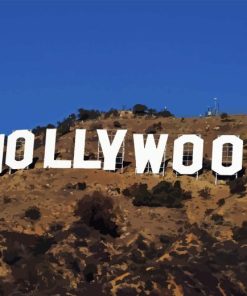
x=149 y=152
x=50 y=147
x=27 y=153
x=237 y=155
x=178 y=154
x=79 y=162
x=110 y=150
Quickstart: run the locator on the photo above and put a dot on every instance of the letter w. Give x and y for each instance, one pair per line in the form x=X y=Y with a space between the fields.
x=149 y=152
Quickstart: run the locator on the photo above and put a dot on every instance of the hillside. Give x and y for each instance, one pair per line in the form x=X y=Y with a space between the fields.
x=86 y=232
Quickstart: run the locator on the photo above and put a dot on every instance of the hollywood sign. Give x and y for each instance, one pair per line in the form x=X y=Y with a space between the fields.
x=145 y=148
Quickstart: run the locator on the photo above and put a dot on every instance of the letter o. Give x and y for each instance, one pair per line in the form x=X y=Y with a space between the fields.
x=28 y=150
x=237 y=155
x=178 y=153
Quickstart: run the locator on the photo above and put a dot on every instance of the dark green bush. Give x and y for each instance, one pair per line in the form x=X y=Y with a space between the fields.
x=206 y=164
x=97 y=211
x=223 y=115
x=117 y=124
x=112 y=113
x=218 y=219
x=164 y=239
x=42 y=129
x=237 y=186
x=205 y=193
x=89 y=272
x=126 y=291
x=164 y=194
x=33 y=213
x=6 y=199
x=76 y=186
x=240 y=233
x=142 y=197
x=84 y=114
x=64 y=126
x=56 y=226
x=137 y=257
x=221 y=202
x=81 y=186
x=126 y=192
x=164 y=113
x=154 y=128
x=140 y=109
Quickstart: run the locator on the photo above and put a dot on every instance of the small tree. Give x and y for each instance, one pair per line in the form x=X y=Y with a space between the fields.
x=42 y=129
x=151 y=111
x=165 y=113
x=98 y=211
x=224 y=115
x=33 y=213
x=63 y=127
x=140 y=109
x=112 y=113
x=84 y=114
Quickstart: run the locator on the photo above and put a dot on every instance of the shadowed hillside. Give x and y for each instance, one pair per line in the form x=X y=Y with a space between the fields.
x=92 y=232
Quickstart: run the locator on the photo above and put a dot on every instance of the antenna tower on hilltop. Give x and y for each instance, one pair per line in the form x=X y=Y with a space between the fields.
x=216 y=107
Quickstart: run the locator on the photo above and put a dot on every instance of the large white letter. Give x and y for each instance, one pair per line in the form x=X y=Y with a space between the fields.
x=149 y=152
x=79 y=162
x=28 y=149
x=2 y=137
x=110 y=150
x=50 y=147
x=178 y=153
x=237 y=155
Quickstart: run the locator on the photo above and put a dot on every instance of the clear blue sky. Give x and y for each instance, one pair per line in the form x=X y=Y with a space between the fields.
x=57 y=56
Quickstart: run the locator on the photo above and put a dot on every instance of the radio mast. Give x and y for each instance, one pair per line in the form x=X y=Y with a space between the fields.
x=216 y=107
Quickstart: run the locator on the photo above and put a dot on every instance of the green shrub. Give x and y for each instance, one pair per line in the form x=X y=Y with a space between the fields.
x=205 y=193
x=164 y=194
x=38 y=130
x=224 y=115
x=240 y=233
x=142 y=197
x=117 y=124
x=221 y=202
x=137 y=257
x=33 y=213
x=112 y=113
x=89 y=272
x=84 y=114
x=164 y=113
x=98 y=211
x=64 y=126
x=126 y=291
x=218 y=219
x=140 y=109
x=207 y=164
x=237 y=186
x=76 y=186
x=154 y=128
x=164 y=239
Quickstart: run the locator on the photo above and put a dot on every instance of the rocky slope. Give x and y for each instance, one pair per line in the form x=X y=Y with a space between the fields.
x=80 y=232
